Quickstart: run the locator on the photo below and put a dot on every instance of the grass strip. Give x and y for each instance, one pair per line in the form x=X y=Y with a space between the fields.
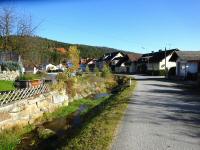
x=10 y=138
x=6 y=85
x=98 y=132
x=72 y=107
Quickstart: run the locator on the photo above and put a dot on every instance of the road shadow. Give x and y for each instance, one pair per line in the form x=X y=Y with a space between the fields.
x=170 y=101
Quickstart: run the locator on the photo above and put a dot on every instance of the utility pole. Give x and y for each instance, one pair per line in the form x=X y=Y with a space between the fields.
x=152 y=64
x=165 y=62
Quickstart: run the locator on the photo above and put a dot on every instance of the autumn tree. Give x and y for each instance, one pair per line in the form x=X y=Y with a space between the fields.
x=73 y=57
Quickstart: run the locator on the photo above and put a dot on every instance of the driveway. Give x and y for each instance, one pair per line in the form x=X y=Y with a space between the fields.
x=161 y=116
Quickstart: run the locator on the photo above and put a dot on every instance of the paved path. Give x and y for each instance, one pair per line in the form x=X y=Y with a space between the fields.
x=160 y=116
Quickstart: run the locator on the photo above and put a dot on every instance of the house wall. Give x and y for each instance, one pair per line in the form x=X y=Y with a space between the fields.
x=132 y=68
x=168 y=63
x=114 y=62
x=152 y=66
x=100 y=65
x=121 y=69
x=161 y=65
x=184 y=67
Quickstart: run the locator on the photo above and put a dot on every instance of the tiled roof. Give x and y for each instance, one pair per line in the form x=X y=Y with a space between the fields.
x=186 y=55
x=134 y=57
x=128 y=59
x=156 y=56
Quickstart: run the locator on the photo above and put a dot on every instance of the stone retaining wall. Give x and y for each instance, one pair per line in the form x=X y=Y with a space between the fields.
x=9 y=75
x=26 y=111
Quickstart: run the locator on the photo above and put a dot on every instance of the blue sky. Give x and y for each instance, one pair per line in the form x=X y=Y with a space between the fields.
x=134 y=25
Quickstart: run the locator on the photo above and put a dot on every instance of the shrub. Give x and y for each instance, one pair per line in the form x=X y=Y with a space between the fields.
x=106 y=72
x=30 y=76
x=156 y=72
x=122 y=80
x=61 y=77
x=70 y=87
x=58 y=86
x=172 y=71
x=96 y=71
x=87 y=69
x=9 y=65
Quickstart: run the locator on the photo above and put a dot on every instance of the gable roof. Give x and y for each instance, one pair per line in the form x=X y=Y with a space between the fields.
x=109 y=56
x=112 y=55
x=91 y=61
x=128 y=59
x=134 y=57
x=186 y=56
x=156 y=56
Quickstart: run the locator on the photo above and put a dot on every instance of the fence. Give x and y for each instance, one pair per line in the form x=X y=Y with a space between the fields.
x=16 y=95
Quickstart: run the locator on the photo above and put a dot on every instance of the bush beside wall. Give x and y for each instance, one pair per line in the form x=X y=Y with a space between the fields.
x=156 y=72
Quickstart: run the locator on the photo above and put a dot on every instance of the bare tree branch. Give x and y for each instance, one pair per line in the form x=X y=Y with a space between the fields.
x=25 y=26
x=6 y=25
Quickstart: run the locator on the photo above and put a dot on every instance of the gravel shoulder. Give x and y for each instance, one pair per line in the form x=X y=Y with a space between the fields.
x=161 y=116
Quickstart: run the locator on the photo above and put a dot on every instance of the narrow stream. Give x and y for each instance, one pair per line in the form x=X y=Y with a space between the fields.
x=51 y=134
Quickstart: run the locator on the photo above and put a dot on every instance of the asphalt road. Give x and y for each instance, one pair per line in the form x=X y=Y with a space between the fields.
x=161 y=116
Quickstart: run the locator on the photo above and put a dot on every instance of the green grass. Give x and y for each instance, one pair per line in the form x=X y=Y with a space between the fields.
x=72 y=107
x=98 y=132
x=9 y=139
x=6 y=85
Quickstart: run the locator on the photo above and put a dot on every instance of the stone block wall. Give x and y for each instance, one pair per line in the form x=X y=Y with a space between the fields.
x=9 y=75
x=26 y=111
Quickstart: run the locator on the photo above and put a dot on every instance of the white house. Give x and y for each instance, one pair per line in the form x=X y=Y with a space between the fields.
x=110 y=58
x=187 y=62
x=127 y=64
x=157 y=61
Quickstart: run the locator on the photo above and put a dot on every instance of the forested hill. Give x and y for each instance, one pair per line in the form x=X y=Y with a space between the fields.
x=39 y=49
x=38 y=43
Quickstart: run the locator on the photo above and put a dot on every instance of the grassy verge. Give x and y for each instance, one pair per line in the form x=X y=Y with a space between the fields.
x=67 y=110
x=98 y=132
x=6 y=85
x=9 y=139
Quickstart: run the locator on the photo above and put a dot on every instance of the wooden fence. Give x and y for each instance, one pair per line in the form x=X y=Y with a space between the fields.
x=16 y=95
